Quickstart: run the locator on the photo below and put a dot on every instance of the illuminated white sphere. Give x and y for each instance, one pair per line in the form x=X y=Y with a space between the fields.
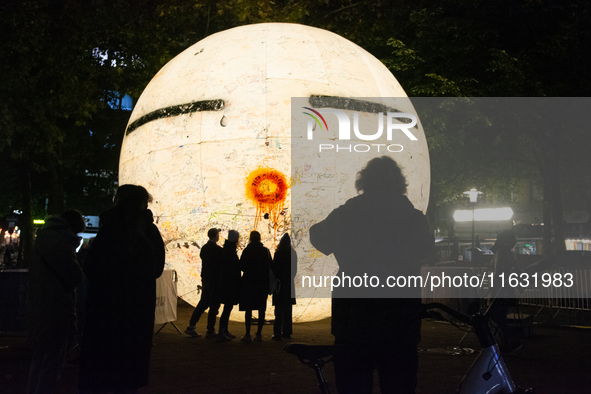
x=196 y=162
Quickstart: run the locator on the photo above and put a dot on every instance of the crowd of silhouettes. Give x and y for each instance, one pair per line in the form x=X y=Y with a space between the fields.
x=100 y=301
x=115 y=280
x=245 y=281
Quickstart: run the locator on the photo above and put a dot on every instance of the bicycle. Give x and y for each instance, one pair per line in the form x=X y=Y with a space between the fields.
x=488 y=374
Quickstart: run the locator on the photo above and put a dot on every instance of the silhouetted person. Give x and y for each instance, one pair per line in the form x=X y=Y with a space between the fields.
x=380 y=233
x=8 y=253
x=504 y=261
x=54 y=274
x=6 y=256
x=285 y=262
x=255 y=264
x=211 y=266
x=230 y=284
x=122 y=265
x=81 y=291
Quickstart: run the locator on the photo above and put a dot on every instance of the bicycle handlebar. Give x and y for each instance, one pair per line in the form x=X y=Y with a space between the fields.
x=457 y=314
x=478 y=322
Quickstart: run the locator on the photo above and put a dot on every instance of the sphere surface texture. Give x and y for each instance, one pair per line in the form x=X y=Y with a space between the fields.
x=210 y=138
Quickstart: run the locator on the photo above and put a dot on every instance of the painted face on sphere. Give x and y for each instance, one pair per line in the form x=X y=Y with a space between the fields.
x=210 y=138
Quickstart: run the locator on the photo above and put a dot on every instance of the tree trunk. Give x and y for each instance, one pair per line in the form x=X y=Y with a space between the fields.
x=547 y=231
x=553 y=168
x=26 y=219
x=543 y=166
x=548 y=159
x=55 y=204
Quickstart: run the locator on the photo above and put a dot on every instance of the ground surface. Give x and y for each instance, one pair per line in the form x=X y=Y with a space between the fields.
x=553 y=361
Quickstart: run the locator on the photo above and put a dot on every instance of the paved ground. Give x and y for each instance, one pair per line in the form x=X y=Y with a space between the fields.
x=553 y=361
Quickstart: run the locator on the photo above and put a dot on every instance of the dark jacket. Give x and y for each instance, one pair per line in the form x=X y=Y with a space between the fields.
x=285 y=263
x=377 y=235
x=255 y=264
x=54 y=274
x=122 y=265
x=230 y=283
x=504 y=262
x=211 y=263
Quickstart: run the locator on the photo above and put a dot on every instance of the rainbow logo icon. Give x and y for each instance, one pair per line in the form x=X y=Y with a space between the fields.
x=315 y=118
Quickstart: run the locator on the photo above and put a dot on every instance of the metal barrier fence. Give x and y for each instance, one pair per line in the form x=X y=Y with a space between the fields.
x=560 y=304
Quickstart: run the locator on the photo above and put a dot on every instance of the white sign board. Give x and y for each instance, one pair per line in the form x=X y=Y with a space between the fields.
x=166 y=297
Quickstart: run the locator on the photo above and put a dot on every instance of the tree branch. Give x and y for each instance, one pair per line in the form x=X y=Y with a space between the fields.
x=341 y=9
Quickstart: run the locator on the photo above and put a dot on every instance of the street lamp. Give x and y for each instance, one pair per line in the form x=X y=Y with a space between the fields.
x=473 y=193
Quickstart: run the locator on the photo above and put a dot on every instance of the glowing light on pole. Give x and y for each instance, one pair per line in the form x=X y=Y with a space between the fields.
x=483 y=214
x=473 y=193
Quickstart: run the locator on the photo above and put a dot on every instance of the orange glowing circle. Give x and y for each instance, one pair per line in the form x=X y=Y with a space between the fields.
x=266 y=186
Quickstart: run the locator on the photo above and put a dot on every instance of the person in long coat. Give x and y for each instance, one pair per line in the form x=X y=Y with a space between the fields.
x=285 y=262
x=229 y=284
x=211 y=270
x=377 y=233
x=122 y=265
x=505 y=262
x=255 y=264
x=54 y=274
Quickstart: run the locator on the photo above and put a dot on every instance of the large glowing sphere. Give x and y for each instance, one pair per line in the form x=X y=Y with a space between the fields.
x=210 y=139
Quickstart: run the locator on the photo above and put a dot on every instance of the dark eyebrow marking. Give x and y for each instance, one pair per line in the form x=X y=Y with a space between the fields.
x=350 y=104
x=176 y=110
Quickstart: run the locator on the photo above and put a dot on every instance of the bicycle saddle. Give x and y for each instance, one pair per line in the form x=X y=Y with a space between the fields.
x=313 y=352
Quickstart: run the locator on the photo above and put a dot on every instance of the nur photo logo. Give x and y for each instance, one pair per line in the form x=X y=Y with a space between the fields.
x=395 y=126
